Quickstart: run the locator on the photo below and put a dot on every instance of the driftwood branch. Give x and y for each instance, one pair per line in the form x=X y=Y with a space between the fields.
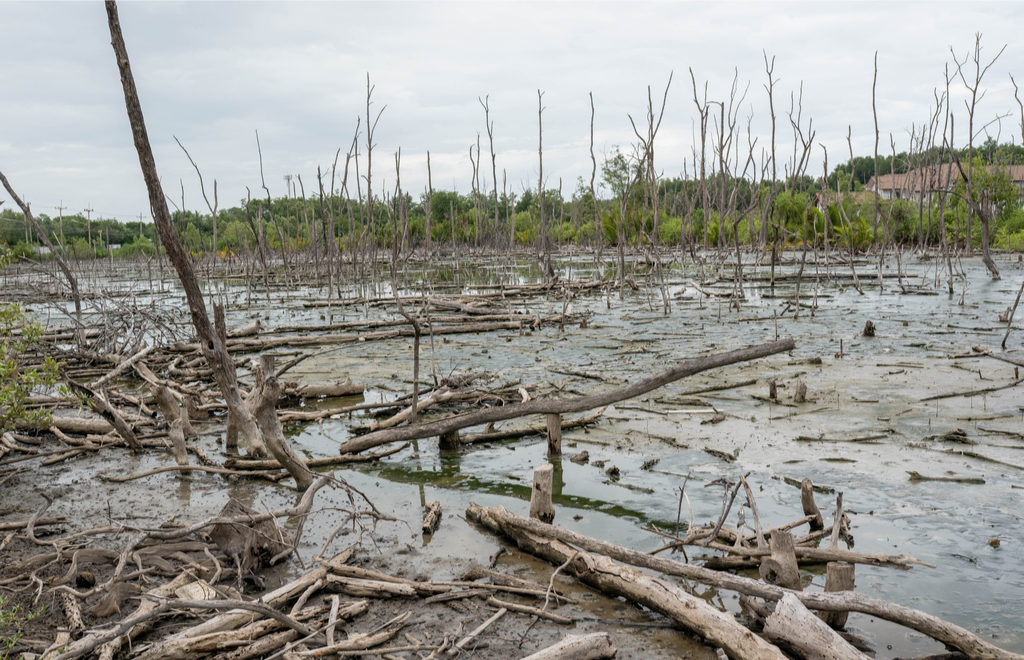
x=561 y=406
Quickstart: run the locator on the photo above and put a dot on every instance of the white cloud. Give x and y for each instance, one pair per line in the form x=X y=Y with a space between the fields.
x=214 y=73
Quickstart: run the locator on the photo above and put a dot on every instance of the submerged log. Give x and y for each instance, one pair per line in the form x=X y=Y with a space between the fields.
x=561 y=406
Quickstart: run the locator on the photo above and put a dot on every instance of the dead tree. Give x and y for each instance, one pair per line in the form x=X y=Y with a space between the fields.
x=212 y=346
x=494 y=170
x=972 y=85
x=62 y=263
x=545 y=255
x=598 y=229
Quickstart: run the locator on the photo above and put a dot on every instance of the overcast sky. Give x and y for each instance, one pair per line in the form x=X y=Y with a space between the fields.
x=213 y=74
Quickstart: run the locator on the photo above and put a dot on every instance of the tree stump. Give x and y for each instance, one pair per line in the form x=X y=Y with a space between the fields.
x=781 y=568
x=801 y=392
x=839 y=576
x=810 y=507
x=541 y=506
x=554 y=434
x=449 y=440
x=869 y=329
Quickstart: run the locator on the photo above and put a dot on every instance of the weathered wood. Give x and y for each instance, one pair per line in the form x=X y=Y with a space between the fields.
x=527 y=609
x=325 y=461
x=781 y=567
x=90 y=642
x=178 y=646
x=499 y=519
x=594 y=646
x=473 y=634
x=488 y=436
x=681 y=607
x=809 y=505
x=795 y=627
x=448 y=440
x=361 y=587
x=173 y=413
x=314 y=390
x=246 y=330
x=262 y=402
x=839 y=576
x=213 y=349
x=562 y=406
x=554 y=424
x=432 y=517
x=99 y=404
x=541 y=507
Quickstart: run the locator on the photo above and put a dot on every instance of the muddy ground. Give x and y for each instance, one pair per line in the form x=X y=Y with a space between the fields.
x=866 y=424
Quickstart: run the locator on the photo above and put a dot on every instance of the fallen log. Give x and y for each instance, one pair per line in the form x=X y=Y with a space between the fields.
x=840 y=601
x=536 y=429
x=239 y=463
x=684 y=609
x=578 y=647
x=317 y=390
x=179 y=645
x=795 y=627
x=100 y=405
x=562 y=406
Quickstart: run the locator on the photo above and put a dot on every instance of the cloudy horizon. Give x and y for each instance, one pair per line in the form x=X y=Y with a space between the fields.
x=213 y=74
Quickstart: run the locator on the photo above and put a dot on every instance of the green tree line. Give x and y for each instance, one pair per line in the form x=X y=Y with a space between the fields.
x=718 y=211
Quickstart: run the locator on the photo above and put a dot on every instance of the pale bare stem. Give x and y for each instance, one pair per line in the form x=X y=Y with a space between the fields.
x=202 y=188
x=973 y=86
x=598 y=233
x=58 y=256
x=769 y=67
x=1020 y=106
x=544 y=247
x=494 y=171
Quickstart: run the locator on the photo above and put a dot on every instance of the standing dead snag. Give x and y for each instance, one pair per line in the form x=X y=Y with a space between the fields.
x=212 y=347
x=57 y=256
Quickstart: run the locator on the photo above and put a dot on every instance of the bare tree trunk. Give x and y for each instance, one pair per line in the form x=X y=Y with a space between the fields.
x=874 y=112
x=540 y=187
x=58 y=257
x=212 y=347
x=982 y=209
x=598 y=225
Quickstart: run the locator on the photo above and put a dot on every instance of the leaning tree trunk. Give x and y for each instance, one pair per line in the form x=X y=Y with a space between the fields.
x=212 y=348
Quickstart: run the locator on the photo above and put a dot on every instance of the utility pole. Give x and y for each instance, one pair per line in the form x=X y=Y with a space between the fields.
x=288 y=185
x=60 y=219
x=141 y=218
x=88 y=224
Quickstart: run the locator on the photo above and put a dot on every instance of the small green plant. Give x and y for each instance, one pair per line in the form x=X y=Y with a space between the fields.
x=18 y=336
x=13 y=621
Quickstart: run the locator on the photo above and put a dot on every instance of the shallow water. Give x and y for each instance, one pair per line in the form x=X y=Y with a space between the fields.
x=863 y=388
